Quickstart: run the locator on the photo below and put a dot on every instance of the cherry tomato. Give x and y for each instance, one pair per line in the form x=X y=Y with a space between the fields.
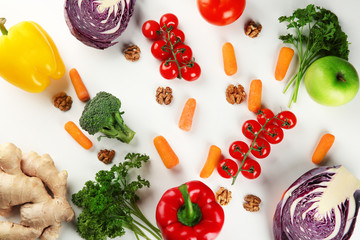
x=183 y=53
x=252 y=168
x=273 y=133
x=251 y=128
x=191 y=73
x=176 y=36
x=286 y=119
x=169 y=70
x=160 y=50
x=151 y=29
x=265 y=114
x=168 y=20
x=238 y=149
x=222 y=12
x=261 y=148
x=229 y=165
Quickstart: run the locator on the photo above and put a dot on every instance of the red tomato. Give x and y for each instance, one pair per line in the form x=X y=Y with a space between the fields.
x=169 y=70
x=238 y=149
x=191 y=73
x=229 y=165
x=261 y=148
x=221 y=12
x=252 y=168
x=151 y=29
x=176 y=36
x=286 y=119
x=265 y=114
x=168 y=20
x=160 y=50
x=183 y=53
x=251 y=128
x=273 y=133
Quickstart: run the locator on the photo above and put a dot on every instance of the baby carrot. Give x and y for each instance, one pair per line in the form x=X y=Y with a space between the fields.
x=166 y=153
x=78 y=135
x=283 y=62
x=187 y=115
x=254 y=101
x=211 y=161
x=229 y=59
x=79 y=85
x=322 y=148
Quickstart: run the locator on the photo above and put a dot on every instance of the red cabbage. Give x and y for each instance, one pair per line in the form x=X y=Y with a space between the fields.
x=321 y=204
x=97 y=23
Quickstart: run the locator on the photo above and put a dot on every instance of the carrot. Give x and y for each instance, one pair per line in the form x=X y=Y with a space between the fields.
x=254 y=101
x=283 y=62
x=187 y=115
x=166 y=153
x=78 y=135
x=229 y=59
x=211 y=161
x=79 y=85
x=322 y=148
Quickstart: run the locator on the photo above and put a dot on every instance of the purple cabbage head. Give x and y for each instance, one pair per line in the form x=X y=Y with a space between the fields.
x=97 y=23
x=321 y=204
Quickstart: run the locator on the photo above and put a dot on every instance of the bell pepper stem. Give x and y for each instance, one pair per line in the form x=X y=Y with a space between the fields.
x=188 y=214
x=3 y=29
x=187 y=201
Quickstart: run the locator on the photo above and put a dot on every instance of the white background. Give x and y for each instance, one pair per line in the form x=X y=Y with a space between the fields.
x=32 y=123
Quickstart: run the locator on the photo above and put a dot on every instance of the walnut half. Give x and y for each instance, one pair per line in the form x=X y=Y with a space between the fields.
x=62 y=101
x=235 y=94
x=132 y=53
x=106 y=156
x=252 y=203
x=223 y=196
x=252 y=29
x=164 y=95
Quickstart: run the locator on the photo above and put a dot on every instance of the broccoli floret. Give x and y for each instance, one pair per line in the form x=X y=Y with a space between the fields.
x=102 y=114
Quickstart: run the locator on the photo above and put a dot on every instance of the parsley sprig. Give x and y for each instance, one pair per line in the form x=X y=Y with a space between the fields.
x=109 y=204
x=316 y=33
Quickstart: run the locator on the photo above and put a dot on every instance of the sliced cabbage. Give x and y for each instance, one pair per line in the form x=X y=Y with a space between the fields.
x=97 y=23
x=322 y=204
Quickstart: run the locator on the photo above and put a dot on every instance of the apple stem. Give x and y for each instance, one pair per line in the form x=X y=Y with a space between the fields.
x=340 y=77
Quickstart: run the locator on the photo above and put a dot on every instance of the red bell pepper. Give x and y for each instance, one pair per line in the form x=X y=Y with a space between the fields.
x=189 y=212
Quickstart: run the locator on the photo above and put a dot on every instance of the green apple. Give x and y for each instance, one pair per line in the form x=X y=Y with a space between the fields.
x=331 y=81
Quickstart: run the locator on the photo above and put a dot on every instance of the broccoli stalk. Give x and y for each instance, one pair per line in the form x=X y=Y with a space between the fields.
x=117 y=129
x=102 y=115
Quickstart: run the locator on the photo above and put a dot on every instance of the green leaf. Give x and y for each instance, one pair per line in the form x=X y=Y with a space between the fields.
x=289 y=38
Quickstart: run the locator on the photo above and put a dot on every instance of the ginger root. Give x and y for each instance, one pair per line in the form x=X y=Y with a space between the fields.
x=32 y=181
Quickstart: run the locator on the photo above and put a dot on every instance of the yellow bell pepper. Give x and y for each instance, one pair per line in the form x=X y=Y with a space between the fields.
x=29 y=57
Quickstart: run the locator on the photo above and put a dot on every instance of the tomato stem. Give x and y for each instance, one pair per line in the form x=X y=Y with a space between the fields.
x=170 y=48
x=250 y=149
x=237 y=149
x=250 y=170
x=284 y=123
x=168 y=30
x=226 y=169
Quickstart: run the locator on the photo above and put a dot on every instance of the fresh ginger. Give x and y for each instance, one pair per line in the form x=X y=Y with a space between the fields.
x=25 y=180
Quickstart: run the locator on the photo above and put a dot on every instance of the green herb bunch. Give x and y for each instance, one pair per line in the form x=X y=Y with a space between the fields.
x=316 y=33
x=109 y=203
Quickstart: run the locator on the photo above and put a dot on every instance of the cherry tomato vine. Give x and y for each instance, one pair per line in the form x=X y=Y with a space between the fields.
x=239 y=150
x=169 y=47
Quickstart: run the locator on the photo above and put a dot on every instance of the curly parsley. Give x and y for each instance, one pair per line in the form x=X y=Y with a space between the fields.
x=109 y=203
